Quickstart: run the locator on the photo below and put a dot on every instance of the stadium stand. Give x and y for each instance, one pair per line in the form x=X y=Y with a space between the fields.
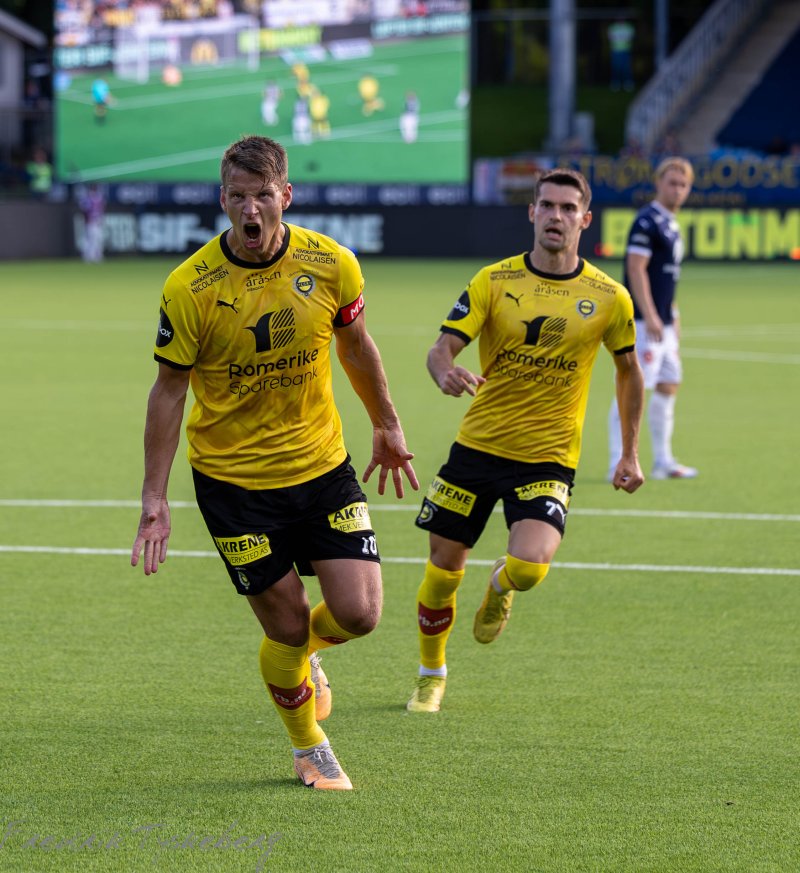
x=762 y=122
x=763 y=45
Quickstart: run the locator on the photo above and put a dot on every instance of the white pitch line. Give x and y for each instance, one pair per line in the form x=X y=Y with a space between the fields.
x=567 y=565
x=740 y=356
x=399 y=507
x=737 y=331
x=641 y=568
x=679 y=513
x=28 y=324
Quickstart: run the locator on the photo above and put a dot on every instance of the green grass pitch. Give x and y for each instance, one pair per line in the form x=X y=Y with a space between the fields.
x=636 y=716
x=145 y=135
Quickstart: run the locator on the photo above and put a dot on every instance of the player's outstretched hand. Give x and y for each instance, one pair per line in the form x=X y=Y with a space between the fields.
x=389 y=452
x=458 y=380
x=628 y=476
x=153 y=535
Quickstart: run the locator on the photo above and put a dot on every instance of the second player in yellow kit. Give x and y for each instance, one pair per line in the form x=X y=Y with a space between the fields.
x=541 y=317
x=539 y=336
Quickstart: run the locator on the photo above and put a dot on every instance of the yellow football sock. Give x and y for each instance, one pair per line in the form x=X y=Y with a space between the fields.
x=324 y=631
x=436 y=613
x=518 y=575
x=287 y=675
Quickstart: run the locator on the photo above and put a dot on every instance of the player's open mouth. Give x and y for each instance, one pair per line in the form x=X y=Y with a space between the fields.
x=252 y=233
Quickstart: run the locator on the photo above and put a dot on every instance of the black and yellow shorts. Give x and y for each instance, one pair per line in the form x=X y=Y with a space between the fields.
x=261 y=535
x=463 y=494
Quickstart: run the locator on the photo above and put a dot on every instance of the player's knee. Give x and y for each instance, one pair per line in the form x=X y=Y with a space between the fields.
x=361 y=624
x=359 y=619
x=524 y=575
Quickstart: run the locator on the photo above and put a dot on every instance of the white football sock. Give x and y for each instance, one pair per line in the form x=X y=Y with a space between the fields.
x=661 y=418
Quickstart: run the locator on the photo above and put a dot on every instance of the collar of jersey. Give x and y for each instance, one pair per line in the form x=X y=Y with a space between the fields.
x=254 y=265
x=560 y=277
x=660 y=208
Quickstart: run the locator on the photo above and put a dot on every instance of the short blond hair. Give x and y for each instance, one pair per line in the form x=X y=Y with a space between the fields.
x=674 y=163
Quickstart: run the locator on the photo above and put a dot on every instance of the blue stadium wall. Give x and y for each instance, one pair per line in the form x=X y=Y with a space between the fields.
x=742 y=206
x=40 y=230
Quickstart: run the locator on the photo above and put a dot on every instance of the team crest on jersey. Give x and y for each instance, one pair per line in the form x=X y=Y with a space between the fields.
x=586 y=307
x=304 y=284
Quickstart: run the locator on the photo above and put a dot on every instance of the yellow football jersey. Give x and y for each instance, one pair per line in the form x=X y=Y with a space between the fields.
x=256 y=337
x=539 y=336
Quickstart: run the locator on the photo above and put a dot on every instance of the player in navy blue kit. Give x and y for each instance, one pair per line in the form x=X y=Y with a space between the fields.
x=652 y=267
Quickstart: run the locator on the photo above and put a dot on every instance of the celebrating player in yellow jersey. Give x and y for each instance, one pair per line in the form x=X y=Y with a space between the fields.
x=248 y=321
x=541 y=317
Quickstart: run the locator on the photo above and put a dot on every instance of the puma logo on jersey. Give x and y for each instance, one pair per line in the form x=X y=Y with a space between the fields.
x=515 y=299
x=231 y=305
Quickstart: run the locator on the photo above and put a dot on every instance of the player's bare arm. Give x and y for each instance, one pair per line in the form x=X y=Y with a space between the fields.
x=630 y=398
x=639 y=283
x=451 y=379
x=161 y=435
x=361 y=361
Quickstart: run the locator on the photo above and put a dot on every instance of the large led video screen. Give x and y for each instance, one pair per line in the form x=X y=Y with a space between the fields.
x=366 y=91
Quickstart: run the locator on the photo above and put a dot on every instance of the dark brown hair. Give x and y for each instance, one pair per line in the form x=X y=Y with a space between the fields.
x=565 y=176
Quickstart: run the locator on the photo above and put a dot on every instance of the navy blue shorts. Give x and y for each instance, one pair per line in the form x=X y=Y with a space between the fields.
x=462 y=496
x=261 y=535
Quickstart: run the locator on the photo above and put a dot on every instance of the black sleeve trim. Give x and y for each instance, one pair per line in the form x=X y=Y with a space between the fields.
x=458 y=333
x=172 y=363
x=625 y=350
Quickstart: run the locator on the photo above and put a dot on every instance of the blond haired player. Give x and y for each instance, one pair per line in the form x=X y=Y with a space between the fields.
x=541 y=317
x=652 y=269
x=249 y=321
